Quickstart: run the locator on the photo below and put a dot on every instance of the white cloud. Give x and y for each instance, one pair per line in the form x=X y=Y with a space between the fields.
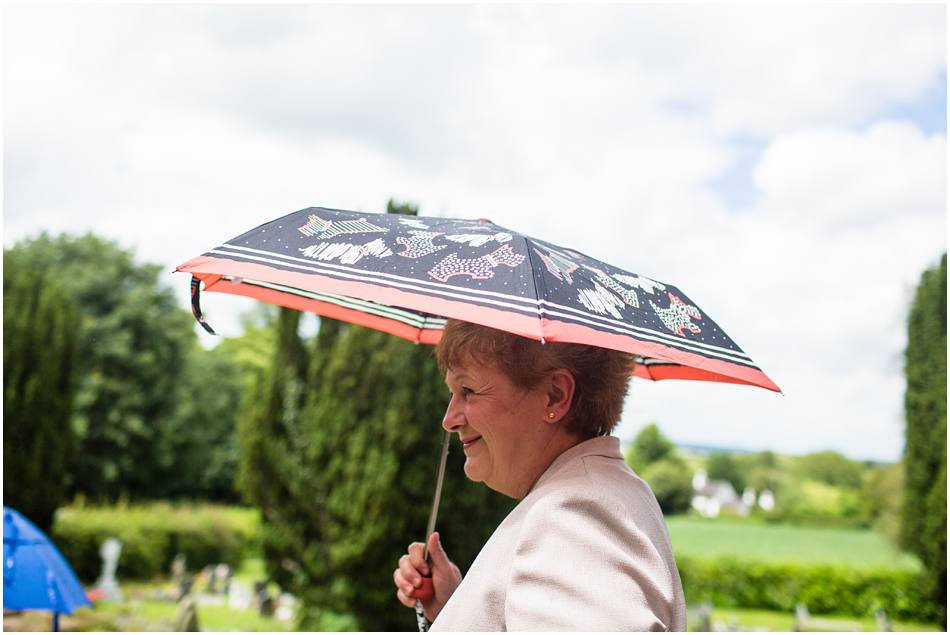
x=841 y=177
x=175 y=127
x=820 y=276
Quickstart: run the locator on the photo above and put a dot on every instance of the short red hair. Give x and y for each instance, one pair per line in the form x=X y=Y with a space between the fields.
x=601 y=375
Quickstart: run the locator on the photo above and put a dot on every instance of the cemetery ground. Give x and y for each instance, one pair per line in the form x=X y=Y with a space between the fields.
x=151 y=606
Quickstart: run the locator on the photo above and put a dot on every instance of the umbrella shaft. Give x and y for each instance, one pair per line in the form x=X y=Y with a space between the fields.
x=433 y=514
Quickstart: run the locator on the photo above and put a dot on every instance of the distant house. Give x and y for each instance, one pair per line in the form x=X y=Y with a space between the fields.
x=710 y=498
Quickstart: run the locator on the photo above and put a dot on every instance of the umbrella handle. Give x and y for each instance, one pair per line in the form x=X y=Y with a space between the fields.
x=426 y=591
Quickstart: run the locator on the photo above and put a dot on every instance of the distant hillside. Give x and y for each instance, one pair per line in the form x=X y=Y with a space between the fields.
x=708 y=449
x=705 y=450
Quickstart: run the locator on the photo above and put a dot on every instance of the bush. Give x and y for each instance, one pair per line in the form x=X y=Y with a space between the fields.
x=722 y=466
x=733 y=583
x=152 y=535
x=810 y=501
x=671 y=484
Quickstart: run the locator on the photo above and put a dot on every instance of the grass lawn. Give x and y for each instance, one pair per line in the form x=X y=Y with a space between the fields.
x=749 y=619
x=783 y=543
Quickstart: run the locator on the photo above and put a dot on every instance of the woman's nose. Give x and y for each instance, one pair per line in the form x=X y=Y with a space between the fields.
x=454 y=417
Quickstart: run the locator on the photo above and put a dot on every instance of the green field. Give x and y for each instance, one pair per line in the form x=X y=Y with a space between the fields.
x=701 y=537
x=754 y=620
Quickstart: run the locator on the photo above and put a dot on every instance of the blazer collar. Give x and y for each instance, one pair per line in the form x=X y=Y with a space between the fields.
x=607 y=446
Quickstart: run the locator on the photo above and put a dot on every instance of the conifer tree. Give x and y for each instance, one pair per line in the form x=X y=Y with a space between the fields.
x=342 y=461
x=924 y=518
x=39 y=354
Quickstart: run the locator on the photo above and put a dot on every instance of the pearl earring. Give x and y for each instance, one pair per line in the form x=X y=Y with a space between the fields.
x=550 y=415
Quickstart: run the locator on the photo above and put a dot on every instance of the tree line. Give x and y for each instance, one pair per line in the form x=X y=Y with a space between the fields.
x=108 y=396
x=107 y=393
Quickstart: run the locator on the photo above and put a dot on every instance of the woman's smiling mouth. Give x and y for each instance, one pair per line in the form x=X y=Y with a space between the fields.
x=467 y=443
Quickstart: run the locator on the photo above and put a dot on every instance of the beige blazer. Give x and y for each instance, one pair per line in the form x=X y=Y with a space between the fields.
x=585 y=550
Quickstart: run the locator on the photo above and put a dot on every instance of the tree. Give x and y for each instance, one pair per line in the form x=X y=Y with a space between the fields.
x=882 y=493
x=761 y=470
x=832 y=468
x=340 y=440
x=648 y=447
x=924 y=517
x=671 y=483
x=722 y=466
x=202 y=434
x=133 y=344
x=39 y=356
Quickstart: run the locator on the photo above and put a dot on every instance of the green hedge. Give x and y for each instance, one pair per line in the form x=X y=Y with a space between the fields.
x=152 y=535
x=858 y=591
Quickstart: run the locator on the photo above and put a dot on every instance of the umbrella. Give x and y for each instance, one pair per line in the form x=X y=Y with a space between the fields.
x=35 y=575
x=405 y=275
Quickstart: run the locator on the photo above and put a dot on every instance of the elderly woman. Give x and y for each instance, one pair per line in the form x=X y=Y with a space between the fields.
x=586 y=548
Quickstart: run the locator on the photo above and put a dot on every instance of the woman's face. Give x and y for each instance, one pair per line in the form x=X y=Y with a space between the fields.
x=501 y=427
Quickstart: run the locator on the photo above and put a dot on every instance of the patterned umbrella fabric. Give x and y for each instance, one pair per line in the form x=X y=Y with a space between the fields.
x=36 y=577
x=406 y=274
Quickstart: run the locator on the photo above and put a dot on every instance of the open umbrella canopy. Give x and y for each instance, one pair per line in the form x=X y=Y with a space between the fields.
x=405 y=275
x=35 y=575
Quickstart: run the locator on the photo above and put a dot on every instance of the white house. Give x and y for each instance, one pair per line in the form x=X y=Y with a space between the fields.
x=711 y=497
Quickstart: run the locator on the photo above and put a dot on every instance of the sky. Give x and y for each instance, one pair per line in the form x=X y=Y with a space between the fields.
x=785 y=166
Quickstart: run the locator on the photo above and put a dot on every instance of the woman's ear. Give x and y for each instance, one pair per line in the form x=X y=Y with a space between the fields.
x=560 y=394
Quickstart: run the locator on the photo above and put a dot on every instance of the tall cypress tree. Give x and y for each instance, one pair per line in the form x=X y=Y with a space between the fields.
x=375 y=409
x=342 y=461
x=924 y=518
x=40 y=330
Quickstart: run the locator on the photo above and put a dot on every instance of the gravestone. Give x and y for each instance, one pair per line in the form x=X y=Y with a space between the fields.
x=184 y=586
x=186 y=617
x=212 y=573
x=223 y=574
x=882 y=622
x=262 y=599
x=107 y=584
x=179 y=569
x=240 y=596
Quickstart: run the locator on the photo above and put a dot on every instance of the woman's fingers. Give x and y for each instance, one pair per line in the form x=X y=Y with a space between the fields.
x=410 y=572
x=436 y=552
x=417 y=557
x=402 y=583
x=405 y=599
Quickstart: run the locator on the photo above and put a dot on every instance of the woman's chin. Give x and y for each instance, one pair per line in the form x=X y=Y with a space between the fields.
x=472 y=471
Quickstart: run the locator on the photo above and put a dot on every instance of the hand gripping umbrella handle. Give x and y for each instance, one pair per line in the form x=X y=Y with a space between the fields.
x=427 y=590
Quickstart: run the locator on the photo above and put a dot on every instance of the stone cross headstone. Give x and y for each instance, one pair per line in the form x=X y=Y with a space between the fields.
x=882 y=621
x=110 y=551
x=802 y=616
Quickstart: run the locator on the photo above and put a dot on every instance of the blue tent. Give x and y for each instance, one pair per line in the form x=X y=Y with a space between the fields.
x=36 y=577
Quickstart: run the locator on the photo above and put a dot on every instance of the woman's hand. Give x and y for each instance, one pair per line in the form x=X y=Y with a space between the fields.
x=412 y=566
